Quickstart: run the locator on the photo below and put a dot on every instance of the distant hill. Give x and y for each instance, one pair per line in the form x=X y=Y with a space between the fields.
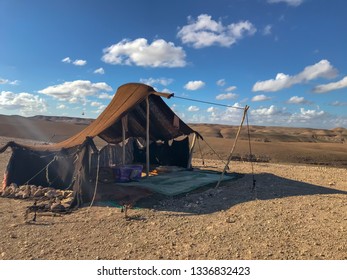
x=55 y=128
x=274 y=134
x=269 y=144
x=41 y=128
x=74 y=120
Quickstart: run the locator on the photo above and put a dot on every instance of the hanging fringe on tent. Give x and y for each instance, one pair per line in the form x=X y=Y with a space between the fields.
x=202 y=156
x=96 y=180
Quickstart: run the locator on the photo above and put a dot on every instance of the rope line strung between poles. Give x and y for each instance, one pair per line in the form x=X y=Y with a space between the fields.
x=211 y=103
x=48 y=164
x=245 y=109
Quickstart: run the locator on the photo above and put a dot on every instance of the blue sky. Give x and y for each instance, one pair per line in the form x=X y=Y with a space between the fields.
x=286 y=59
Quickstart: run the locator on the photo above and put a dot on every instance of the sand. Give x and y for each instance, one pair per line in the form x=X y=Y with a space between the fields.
x=297 y=211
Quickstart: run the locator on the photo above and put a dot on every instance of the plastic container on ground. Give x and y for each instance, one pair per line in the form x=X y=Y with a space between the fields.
x=127 y=173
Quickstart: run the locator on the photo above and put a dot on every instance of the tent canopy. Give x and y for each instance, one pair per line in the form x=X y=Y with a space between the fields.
x=128 y=109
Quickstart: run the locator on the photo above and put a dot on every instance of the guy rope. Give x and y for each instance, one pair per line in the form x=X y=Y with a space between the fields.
x=245 y=116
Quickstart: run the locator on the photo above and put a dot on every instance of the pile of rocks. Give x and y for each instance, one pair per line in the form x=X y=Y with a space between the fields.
x=55 y=199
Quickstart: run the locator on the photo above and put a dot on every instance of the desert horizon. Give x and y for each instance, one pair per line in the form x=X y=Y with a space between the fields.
x=275 y=144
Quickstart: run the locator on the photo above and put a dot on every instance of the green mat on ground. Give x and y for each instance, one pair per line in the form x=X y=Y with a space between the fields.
x=180 y=182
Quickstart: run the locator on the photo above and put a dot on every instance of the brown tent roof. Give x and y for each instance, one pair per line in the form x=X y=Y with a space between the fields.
x=130 y=101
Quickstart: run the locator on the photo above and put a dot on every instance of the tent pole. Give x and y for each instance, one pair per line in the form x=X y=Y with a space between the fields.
x=123 y=142
x=147 y=138
x=234 y=145
x=189 y=165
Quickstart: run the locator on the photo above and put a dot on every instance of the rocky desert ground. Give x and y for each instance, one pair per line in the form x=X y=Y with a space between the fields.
x=297 y=210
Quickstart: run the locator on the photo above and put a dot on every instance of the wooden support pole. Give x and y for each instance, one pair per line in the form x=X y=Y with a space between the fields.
x=123 y=140
x=233 y=147
x=147 y=138
x=189 y=165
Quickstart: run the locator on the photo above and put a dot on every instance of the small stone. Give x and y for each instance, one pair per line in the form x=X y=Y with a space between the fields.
x=12 y=235
x=38 y=193
x=57 y=207
x=49 y=194
x=230 y=220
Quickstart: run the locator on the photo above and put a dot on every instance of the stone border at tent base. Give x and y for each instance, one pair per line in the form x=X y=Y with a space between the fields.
x=47 y=199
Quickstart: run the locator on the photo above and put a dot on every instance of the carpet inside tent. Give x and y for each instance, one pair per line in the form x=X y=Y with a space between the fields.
x=175 y=183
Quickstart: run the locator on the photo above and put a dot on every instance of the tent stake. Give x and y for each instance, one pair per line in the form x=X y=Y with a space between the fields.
x=147 y=138
x=233 y=147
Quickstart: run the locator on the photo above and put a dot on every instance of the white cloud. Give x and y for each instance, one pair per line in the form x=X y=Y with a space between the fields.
x=311 y=118
x=176 y=109
x=271 y=111
x=3 y=81
x=105 y=95
x=6 y=81
x=214 y=114
x=166 y=90
x=61 y=106
x=75 y=91
x=100 y=109
x=194 y=85
x=225 y=96
x=293 y=3
x=267 y=30
x=74 y=100
x=205 y=32
x=231 y=88
x=138 y=52
x=193 y=108
x=99 y=71
x=79 y=62
x=331 y=86
x=271 y=115
x=302 y=118
x=309 y=114
x=26 y=103
x=260 y=97
x=66 y=60
x=220 y=82
x=95 y=104
x=297 y=100
x=338 y=103
x=160 y=81
x=277 y=116
x=322 y=69
x=230 y=115
x=281 y=81
x=211 y=109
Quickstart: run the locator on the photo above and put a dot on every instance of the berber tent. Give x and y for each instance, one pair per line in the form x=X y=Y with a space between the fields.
x=136 y=111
